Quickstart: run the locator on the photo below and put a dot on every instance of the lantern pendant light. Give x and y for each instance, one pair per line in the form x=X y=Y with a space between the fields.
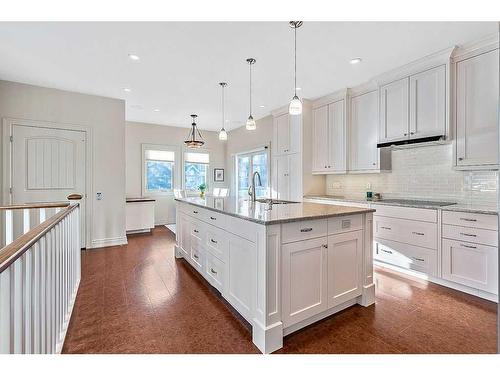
x=295 y=107
x=223 y=133
x=251 y=125
x=192 y=142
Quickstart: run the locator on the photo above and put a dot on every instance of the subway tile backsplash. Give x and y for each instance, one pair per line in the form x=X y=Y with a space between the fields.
x=421 y=173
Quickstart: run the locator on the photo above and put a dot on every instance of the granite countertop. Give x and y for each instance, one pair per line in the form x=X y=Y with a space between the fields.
x=279 y=213
x=461 y=207
x=140 y=199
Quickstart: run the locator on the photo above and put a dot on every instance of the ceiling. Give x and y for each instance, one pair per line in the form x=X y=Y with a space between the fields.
x=181 y=63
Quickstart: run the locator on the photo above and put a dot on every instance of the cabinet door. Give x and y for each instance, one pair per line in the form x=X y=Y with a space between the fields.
x=344 y=267
x=281 y=134
x=240 y=282
x=336 y=137
x=363 y=135
x=471 y=264
x=320 y=139
x=304 y=277
x=294 y=178
x=281 y=174
x=428 y=103
x=184 y=232
x=394 y=111
x=477 y=110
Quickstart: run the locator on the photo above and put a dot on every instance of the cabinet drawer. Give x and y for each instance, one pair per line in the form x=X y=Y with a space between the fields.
x=482 y=236
x=215 y=272
x=214 y=218
x=466 y=219
x=407 y=256
x=302 y=230
x=411 y=232
x=196 y=254
x=198 y=230
x=194 y=211
x=345 y=224
x=419 y=214
x=217 y=243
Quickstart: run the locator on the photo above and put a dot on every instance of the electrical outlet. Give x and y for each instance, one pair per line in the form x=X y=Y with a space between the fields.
x=369 y=185
x=98 y=195
x=335 y=185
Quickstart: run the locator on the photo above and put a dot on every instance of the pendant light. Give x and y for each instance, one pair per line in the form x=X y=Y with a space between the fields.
x=295 y=107
x=192 y=142
x=223 y=133
x=251 y=125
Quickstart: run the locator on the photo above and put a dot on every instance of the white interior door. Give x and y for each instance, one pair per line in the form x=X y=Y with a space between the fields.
x=48 y=165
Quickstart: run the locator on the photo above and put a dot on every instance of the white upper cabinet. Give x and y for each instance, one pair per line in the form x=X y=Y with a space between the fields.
x=363 y=151
x=329 y=137
x=428 y=103
x=287 y=134
x=476 y=111
x=394 y=111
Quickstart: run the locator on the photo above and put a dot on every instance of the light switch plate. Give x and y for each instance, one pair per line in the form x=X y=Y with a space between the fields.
x=98 y=195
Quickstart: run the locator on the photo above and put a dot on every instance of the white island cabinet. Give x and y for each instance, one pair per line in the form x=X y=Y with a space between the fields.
x=282 y=267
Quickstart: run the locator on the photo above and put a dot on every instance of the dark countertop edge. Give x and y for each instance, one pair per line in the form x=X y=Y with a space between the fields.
x=138 y=200
x=457 y=207
x=279 y=221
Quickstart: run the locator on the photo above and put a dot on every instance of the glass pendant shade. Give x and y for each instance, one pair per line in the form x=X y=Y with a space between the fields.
x=295 y=107
x=251 y=125
x=223 y=135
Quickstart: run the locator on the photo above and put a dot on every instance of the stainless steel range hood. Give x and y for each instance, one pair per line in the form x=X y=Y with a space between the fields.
x=414 y=142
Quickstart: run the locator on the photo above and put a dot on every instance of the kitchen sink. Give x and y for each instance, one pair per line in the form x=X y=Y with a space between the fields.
x=273 y=201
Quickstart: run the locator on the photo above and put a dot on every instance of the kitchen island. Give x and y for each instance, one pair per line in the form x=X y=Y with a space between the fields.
x=281 y=266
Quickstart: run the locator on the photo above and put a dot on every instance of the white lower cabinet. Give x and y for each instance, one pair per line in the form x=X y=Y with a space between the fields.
x=304 y=267
x=344 y=267
x=471 y=264
x=215 y=272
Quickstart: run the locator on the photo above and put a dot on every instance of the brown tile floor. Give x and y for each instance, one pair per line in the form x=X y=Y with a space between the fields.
x=139 y=299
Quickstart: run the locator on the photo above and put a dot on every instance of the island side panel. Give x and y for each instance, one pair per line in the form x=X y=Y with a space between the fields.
x=178 y=230
x=368 y=296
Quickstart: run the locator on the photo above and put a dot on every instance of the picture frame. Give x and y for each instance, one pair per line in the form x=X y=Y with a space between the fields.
x=218 y=174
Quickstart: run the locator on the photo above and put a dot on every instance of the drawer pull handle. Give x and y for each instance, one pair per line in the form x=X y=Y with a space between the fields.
x=196 y=231
x=196 y=256
x=468 y=234
x=386 y=228
x=325 y=246
x=213 y=271
x=195 y=212
x=213 y=241
x=386 y=251
x=213 y=218
x=419 y=259
x=419 y=233
x=303 y=230
x=468 y=246
x=467 y=219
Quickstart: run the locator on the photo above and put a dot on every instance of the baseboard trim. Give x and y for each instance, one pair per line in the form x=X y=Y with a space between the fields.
x=113 y=241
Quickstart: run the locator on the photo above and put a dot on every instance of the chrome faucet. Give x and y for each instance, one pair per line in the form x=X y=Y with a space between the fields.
x=251 y=188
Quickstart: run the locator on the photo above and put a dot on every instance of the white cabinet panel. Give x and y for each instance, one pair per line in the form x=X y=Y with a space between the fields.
x=428 y=103
x=336 y=137
x=477 y=110
x=184 y=231
x=363 y=132
x=344 y=267
x=281 y=177
x=320 y=139
x=287 y=134
x=215 y=272
x=469 y=264
x=394 y=112
x=304 y=272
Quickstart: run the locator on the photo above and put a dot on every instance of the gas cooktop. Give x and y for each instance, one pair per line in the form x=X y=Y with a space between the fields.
x=414 y=202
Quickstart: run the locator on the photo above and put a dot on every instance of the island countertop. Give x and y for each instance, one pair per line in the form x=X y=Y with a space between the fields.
x=261 y=213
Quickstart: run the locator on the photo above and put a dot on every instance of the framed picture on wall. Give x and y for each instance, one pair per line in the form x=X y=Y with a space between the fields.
x=218 y=175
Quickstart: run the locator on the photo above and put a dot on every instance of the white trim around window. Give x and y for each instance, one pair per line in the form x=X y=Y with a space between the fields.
x=209 y=171
x=177 y=166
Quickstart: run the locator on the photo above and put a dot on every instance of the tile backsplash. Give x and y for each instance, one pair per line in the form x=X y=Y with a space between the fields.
x=421 y=173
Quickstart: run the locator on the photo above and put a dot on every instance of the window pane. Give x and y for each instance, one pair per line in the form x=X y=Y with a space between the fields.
x=160 y=155
x=159 y=175
x=259 y=162
x=243 y=175
x=197 y=157
x=195 y=174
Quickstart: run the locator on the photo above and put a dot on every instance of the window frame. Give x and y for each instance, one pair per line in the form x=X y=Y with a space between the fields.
x=175 y=170
x=209 y=167
x=264 y=149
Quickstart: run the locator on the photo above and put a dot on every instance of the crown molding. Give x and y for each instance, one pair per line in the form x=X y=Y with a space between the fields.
x=476 y=47
x=330 y=98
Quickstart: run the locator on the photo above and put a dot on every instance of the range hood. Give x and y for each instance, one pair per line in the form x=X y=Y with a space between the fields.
x=414 y=142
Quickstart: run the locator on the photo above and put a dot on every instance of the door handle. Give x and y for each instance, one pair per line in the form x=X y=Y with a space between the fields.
x=419 y=259
x=386 y=228
x=213 y=218
x=468 y=234
x=213 y=271
x=468 y=246
x=304 y=230
x=386 y=251
x=467 y=219
x=419 y=233
x=196 y=231
x=213 y=241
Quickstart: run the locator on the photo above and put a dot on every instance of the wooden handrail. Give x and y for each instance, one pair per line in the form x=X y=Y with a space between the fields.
x=24 y=206
x=19 y=246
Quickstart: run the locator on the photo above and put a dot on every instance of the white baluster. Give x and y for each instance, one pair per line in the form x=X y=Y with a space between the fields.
x=9 y=227
x=17 y=300
x=27 y=296
x=42 y=215
x=5 y=316
x=26 y=220
x=43 y=294
x=48 y=292
x=35 y=301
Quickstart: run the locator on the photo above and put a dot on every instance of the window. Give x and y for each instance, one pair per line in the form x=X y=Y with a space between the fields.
x=246 y=165
x=159 y=169
x=196 y=166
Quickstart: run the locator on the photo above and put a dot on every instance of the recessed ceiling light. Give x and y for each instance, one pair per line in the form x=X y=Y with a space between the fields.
x=356 y=60
x=156 y=110
x=126 y=89
x=131 y=56
x=262 y=106
x=298 y=88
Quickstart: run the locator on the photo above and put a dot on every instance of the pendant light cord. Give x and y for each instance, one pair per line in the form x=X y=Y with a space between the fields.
x=295 y=59
x=222 y=107
x=250 y=65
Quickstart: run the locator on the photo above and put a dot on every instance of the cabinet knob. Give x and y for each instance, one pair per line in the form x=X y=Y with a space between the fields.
x=213 y=271
x=460 y=159
x=325 y=246
x=405 y=134
x=411 y=133
x=374 y=163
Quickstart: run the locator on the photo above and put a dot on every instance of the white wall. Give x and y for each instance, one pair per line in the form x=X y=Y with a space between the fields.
x=106 y=118
x=425 y=173
x=141 y=133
